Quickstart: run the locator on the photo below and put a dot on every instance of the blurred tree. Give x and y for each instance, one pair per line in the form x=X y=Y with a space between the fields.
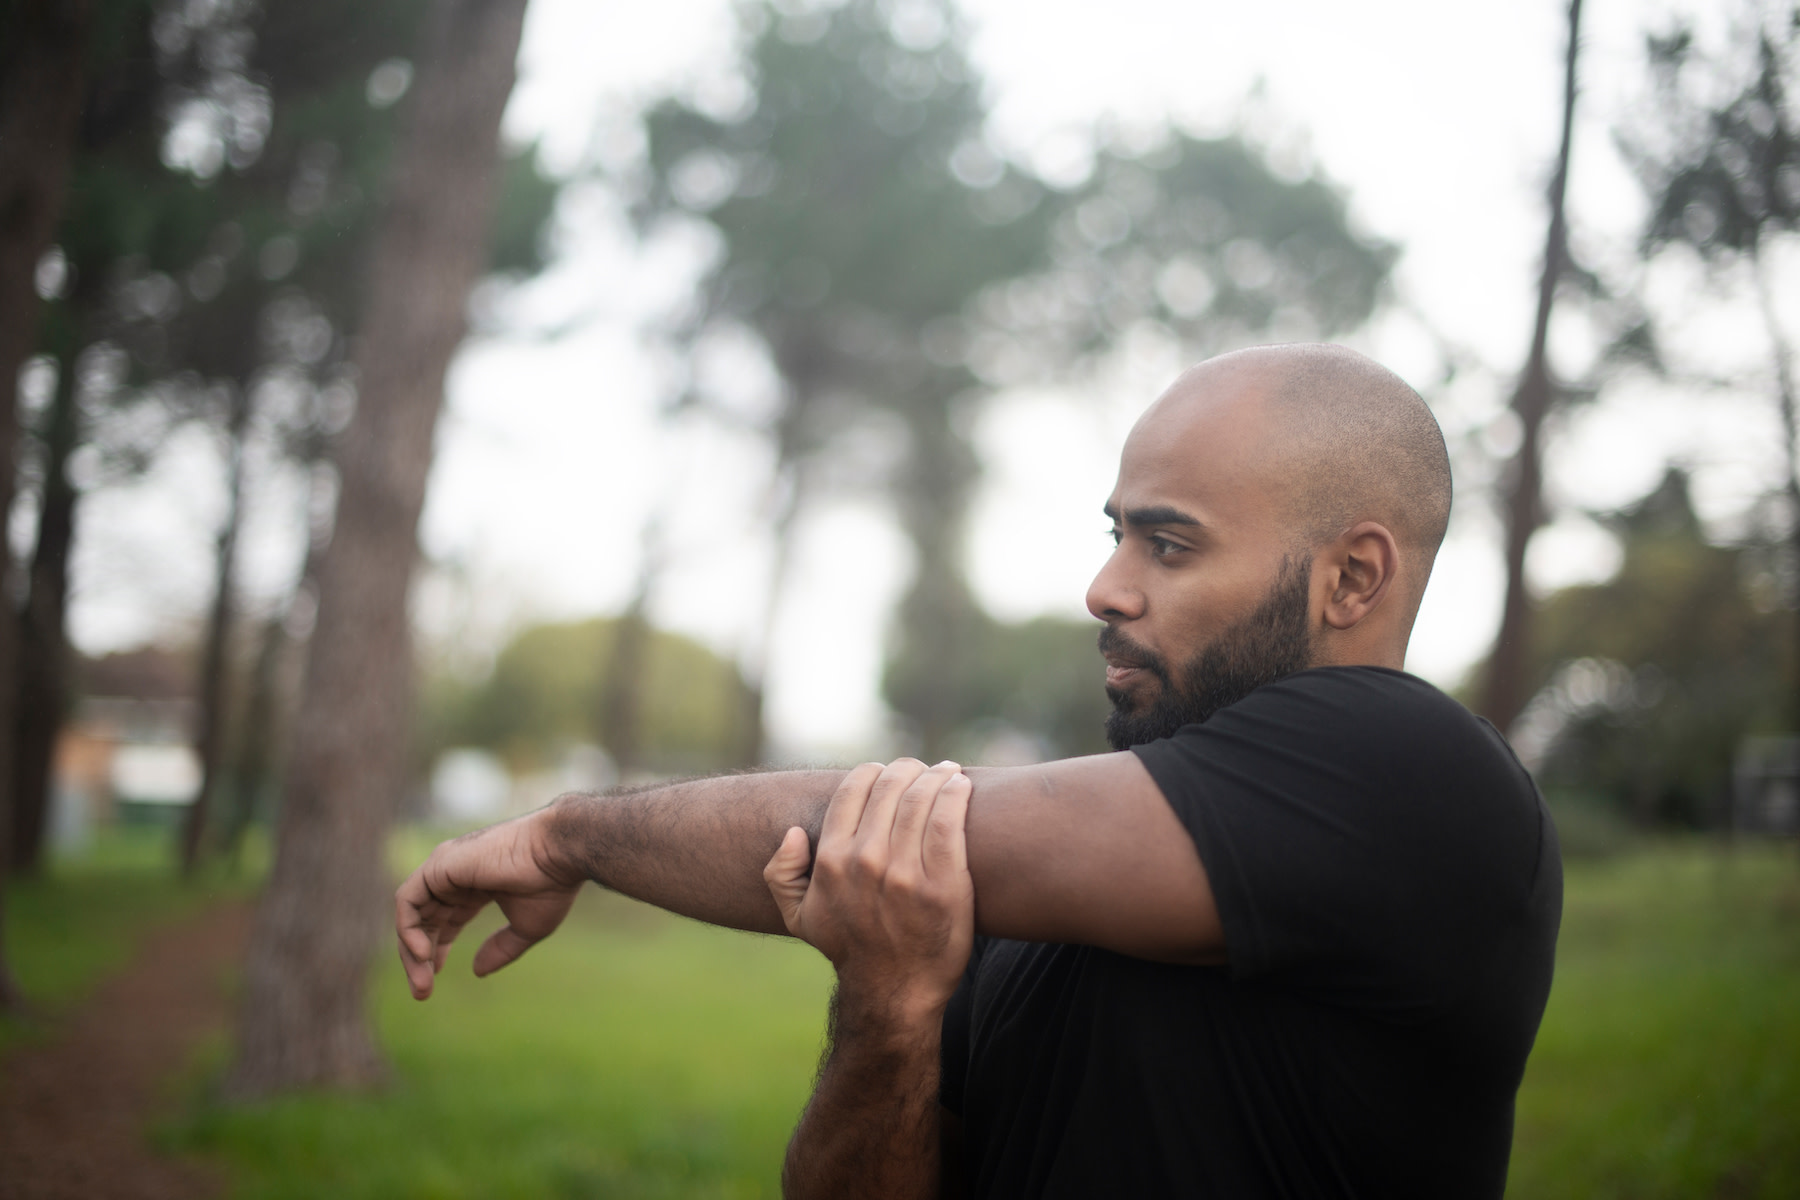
x=1504 y=687
x=548 y=684
x=845 y=232
x=1037 y=679
x=1645 y=684
x=303 y=1020
x=892 y=265
x=41 y=65
x=221 y=211
x=1719 y=157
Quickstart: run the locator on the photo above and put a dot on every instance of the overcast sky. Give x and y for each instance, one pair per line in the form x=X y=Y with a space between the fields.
x=1438 y=119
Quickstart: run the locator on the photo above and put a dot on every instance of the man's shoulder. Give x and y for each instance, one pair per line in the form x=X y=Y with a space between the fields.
x=1367 y=701
x=1370 y=722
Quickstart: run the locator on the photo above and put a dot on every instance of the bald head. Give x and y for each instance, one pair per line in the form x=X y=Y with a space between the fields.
x=1338 y=437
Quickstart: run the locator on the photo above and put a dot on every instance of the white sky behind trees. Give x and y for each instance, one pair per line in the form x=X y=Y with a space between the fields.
x=1440 y=120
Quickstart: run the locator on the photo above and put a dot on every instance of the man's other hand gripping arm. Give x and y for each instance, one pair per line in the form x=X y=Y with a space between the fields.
x=890 y=902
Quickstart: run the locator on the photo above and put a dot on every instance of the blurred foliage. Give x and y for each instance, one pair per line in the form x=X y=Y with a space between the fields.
x=231 y=164
x=893 y=266
x=1647 y=682
x=1199 y=240
x=1041 y=679
x=210 y=269
x=1720 y=155
x=545 y=694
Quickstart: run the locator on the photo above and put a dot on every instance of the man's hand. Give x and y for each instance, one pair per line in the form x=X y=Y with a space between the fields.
x=891 y=904
x=889 y=900
x=508 y=864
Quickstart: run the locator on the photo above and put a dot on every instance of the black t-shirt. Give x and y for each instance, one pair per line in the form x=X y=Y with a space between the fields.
x=1390 y=889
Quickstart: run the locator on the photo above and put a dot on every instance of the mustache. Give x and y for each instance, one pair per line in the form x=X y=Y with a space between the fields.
x=1118 y=646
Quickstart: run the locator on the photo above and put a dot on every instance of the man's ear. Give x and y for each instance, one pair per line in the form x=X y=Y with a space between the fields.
x=1360 y=568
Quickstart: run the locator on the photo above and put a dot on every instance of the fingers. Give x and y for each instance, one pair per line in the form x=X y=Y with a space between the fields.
x=786 y=876
x=914 y=810
x=417 y=949
x=503 y=946
x=845 y=811
x=945 y=851
x=874 y=833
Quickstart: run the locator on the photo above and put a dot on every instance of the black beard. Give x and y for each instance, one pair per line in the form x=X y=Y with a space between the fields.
x=1272 y=642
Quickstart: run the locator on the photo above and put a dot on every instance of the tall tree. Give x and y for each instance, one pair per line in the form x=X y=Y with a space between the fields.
x=1720 y=162
x=1504 y=689
x=845 y=232
x=40 y=91
x=221 y=208
x=878 y=247
x=303 y=1019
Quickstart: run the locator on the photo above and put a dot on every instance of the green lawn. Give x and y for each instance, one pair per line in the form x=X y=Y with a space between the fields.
x=633 y=1055
x=80 y=920
x=1668 y=1064
x=636 y=1055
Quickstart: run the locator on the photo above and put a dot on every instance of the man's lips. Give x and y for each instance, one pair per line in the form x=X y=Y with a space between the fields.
x=1125 y=661
x=1118 y=676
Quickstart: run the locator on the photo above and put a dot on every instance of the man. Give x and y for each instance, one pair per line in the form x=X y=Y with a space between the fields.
x=1293 y=939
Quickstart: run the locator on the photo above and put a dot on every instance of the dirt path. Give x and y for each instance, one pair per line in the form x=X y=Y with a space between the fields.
x=74 y=1111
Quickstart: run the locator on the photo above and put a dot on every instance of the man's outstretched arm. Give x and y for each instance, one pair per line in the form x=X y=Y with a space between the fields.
x=1084 y=850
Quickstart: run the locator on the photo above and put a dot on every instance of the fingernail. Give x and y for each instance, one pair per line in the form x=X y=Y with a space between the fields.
x=948 y=763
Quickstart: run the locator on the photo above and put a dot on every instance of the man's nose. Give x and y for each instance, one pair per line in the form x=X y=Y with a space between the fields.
x=1113 y=596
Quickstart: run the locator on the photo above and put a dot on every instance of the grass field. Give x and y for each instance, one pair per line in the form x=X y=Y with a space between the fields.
x=636 y=1055
x=81 y=920
x=1668 y=1064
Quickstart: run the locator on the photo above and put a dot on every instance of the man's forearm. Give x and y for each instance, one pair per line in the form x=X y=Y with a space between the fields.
x=872 y=1127
x=696 y=848
x=1083 y=850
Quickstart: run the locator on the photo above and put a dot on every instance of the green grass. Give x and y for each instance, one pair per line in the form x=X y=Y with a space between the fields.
x=633 y=1055
x=81 y=919
x=1668 y=1064
x=637 y=1055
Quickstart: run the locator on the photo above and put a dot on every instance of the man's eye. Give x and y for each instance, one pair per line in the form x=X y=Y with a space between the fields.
x=1162 y=547
x=1116 y=534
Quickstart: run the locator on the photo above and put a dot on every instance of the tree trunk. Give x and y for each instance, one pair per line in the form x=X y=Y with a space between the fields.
x=215 y=658
x=622 y=688
x=938 y=615
x=786 y=497
x=1509 y=664
x=255 y=759
x=303 y=1021
x=1784 y=385
x=43 y=676
x=41 y=67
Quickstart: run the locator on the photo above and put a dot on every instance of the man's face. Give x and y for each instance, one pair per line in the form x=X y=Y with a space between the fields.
x=1205 y=597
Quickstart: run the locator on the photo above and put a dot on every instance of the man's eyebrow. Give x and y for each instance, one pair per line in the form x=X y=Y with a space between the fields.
x=1154 y=514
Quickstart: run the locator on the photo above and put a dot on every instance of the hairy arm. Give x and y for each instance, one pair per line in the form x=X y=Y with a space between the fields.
x=1083 y=850
x=888 y=899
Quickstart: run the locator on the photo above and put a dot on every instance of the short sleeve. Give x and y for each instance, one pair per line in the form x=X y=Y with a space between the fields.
x=1365 y=837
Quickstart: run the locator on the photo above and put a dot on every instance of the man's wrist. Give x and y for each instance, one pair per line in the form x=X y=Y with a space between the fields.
x=896 y=1014
x=562 y=830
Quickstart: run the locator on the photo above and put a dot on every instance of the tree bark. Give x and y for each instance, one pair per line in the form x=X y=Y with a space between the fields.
x=1790 y=430
x=215 y=658
x=303 y=1021
x=41 y=67
x=1509 y=664
x=43 y=674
